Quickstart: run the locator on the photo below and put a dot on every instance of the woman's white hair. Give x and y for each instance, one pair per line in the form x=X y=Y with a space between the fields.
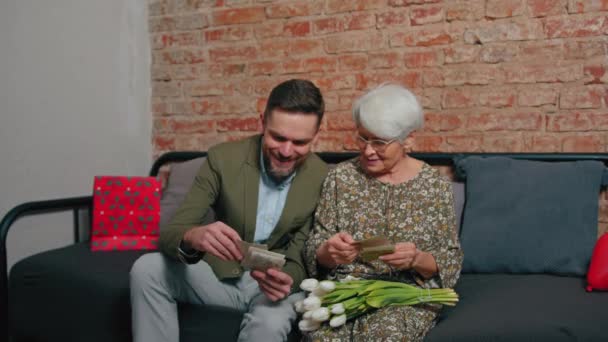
x=388 y=111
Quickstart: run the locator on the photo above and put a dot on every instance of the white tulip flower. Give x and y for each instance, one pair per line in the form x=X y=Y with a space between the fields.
x=308 y=325
x=327 y=285
x=311 y=303
x=319 y=292
x=337 y=309
x=320 y=314
x=299 y=306
x=308 y=315
x=337 y=321
x=309 y=284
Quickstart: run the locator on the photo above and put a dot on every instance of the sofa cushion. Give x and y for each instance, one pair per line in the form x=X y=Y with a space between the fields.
x=526 y=216
x=516 y=307
x=179 y=182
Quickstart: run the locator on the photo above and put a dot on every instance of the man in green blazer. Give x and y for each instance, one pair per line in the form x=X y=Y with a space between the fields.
x=263 y=189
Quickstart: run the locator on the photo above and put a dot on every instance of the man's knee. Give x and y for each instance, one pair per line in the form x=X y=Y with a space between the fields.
x=146 y=268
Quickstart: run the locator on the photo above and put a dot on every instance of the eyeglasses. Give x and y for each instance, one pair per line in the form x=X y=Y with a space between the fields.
x=378 y=145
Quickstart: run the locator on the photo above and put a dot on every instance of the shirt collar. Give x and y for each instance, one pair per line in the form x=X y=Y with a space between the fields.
x=269 y=180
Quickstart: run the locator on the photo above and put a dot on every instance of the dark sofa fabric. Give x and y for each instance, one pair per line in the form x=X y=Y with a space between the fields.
x=71 y=292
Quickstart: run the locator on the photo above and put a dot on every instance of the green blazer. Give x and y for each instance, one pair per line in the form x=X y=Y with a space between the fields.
x=228 y=182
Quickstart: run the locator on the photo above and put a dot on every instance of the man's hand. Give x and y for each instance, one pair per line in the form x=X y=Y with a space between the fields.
x=275 y=284
x=404 y=256
x=337 y=250
x=216 y=238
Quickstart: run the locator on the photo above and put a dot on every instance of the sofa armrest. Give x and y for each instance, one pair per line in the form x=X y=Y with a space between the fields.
x=76 y=204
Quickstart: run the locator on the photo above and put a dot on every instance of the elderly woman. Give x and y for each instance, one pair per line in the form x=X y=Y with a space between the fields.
x=385 y=192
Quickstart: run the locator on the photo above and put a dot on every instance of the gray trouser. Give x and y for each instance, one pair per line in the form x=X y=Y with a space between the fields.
x=158 y=283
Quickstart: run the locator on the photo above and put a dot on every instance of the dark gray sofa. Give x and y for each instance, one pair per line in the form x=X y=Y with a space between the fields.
x=73 y=294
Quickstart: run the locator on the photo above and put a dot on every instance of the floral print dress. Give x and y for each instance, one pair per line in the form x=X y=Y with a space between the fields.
x=420 y=211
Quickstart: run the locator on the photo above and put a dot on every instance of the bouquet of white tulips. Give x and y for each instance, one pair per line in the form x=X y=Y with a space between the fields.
x=337 y=302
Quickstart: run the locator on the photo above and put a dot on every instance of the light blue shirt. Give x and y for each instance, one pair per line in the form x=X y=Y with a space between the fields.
x=271 y=200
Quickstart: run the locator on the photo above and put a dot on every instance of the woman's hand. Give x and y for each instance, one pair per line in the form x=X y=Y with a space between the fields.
x=407 y=256
x=337 y=250
x=403 y=257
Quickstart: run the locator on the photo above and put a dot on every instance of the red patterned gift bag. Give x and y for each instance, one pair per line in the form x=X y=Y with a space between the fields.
x=126 y=212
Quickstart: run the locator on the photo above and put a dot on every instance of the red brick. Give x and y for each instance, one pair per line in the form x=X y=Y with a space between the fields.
x=164 y=142
x=542 y=50
x=194 y=5
x=430 y=98
x=537 y=97
x=542 y=143
x=504 y=8
x=582 y=6
x=189 y=56
x=194 y=21
x=409 y=79
x=211 y=88
x=498 y=53
x=240 y=52
x=264 y=68
x=248 y=124
x=397 y=3
x=354 y=42
x=470 y=75
x=353 y=62
x=329 y=141
x=230 y=69
x=316 y=64
x=380 y=60
x=433 y=78
x=347 y=99
x=238 y=16
x=196 y=142
x=461 y=54
x=543 y=8
x=336 y=82
x=166 y=89
x=305 y=47
x=582 y=97
x=274 y=48
x=399 y=18
x=512 y=142
x=463 y=143
x=458 y=98
x=294 y=9
x=423 y=59
x=161 y=24
x=538 y=73
x=595 y=74
x=569 y=122
x=427 y=143
x=216 y=105
x=583 y=143
x=599 y=121
x=468 y=10
x=497 y=97
x=505 y=31
x=186 y=72
x=169 y=40
x=269 y=28
x=561 y=27
x=160 y=73
x=338 y=6
x=421 y=37
x=359 y=21
x=159 y=108
x=231 y=33
x=585 y=49
x=297 y=29
x=328 y=25
x=520 y=121
x=341 y=121
x=183 y=125
x=427 y=15
x=437 y=122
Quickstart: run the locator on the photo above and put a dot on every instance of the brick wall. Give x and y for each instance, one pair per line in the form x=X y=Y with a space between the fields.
x=493 y=75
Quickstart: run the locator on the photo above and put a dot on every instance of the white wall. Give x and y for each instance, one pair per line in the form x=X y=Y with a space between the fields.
x=74 y=103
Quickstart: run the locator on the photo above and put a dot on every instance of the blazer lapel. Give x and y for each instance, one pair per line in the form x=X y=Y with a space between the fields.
x=251 y=188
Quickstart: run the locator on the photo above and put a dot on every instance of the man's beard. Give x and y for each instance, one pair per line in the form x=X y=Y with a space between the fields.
x=277 y=175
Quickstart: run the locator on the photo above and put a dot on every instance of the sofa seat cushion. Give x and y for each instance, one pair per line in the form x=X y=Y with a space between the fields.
x=533 y=307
